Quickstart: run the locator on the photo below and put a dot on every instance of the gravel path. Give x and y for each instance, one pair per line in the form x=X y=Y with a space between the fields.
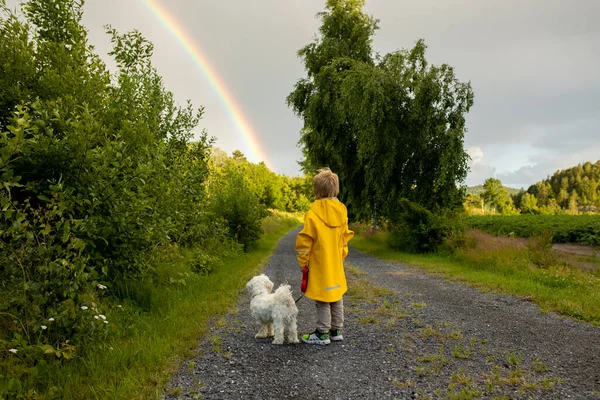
x=407 y=335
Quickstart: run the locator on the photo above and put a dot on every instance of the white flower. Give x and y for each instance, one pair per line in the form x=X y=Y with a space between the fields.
x=44 y=327
x=101 y=286
x=13 y=351
x=95 y=317
x=102 y=316
x=120 y=306
x=84 y=307
x=106 y=322
x=50 y=319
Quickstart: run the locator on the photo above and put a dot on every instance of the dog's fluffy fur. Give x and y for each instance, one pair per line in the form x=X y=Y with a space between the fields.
x=274 y=312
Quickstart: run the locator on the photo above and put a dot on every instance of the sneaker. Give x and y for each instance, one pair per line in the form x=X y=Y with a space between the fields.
x=316 y=338
x=335 y=335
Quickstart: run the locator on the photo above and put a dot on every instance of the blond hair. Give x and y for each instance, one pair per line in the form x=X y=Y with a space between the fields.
x=326 y=184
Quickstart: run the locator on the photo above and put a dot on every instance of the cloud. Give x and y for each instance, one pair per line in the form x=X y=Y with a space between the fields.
x=546 y=165
x=479 y=169
x=532 y=64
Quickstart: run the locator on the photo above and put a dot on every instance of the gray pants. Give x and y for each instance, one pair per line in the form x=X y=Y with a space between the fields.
x=330 y=315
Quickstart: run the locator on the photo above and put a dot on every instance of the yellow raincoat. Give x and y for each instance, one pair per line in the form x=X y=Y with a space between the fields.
x=322 y=245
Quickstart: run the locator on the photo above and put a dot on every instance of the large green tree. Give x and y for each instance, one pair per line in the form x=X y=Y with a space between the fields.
x=392 y=127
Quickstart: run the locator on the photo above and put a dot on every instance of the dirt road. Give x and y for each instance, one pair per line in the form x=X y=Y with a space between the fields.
x=407 y=335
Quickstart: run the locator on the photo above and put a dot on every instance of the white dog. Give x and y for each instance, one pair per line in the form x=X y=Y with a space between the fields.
x=274 y=312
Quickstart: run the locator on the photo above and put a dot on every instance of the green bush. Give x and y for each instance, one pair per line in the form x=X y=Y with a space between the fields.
x=97 y=172
x=232 y=201
x=99 y=177
x=415 y=229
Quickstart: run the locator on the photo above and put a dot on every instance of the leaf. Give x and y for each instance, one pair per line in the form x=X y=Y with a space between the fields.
x=14 y=385
x=47 y=349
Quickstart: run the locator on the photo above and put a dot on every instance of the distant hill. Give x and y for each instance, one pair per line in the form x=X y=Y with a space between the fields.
x=569 y=188
x=573 y=190
x=477 y=190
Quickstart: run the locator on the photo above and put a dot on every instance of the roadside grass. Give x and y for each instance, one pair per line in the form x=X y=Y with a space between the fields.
x=140 y=358
x=530 y=272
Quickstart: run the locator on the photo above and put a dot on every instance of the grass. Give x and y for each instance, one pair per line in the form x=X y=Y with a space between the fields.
x=505 y=268
x=139 y=363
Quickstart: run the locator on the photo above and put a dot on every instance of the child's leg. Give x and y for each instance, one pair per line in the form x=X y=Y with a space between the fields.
x=337 y=314
x=323 y=317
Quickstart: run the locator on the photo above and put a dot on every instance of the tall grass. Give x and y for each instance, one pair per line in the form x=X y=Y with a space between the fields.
x=509 y=267
x=153 y=339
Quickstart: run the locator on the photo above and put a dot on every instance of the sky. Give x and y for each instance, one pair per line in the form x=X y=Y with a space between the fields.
x=534 y=66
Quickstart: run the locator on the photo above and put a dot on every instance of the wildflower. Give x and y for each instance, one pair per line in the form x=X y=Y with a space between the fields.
x=44 y=327
x=101 y=286
x=84 y=307
x=120 y=306
x=106 y=322
x=102 y=316
x=50 y=319
x=13 y=351
x=95 y=317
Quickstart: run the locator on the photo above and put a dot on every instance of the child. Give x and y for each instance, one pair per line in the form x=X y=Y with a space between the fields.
x=322 y=245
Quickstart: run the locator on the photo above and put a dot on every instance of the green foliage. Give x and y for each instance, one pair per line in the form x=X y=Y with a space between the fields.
x=529 y=204
x=159 y=323
x=413 y=228
x=232 y=201
x=579 y=184
x=392 y=127
x=98 y=174
x=274 y=191
x=99 y=177
x=478 y=189
x=540 y=250
x=497 y=197
x=564 y=228
x=574 y=190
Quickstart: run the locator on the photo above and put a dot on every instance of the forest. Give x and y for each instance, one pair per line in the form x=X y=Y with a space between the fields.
x=572 y=191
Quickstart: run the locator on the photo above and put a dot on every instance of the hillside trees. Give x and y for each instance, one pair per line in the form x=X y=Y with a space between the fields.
x=572 y=188
x=392 y=127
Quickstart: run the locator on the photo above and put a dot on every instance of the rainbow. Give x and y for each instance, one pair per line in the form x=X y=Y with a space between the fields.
x=234 y=110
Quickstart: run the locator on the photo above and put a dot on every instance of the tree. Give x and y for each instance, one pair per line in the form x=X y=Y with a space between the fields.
x=392 y=127
x=497 y=196
x=573 y=203
x=529 y=204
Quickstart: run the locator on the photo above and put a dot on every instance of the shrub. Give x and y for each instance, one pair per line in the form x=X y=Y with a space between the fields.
x=413 y=228
x=232 y=201
x=96 y=173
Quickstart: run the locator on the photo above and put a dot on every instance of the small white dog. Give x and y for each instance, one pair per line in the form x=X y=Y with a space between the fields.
x=274 y=312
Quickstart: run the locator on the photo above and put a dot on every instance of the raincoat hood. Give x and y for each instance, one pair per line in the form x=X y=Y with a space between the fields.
x=331 y=211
